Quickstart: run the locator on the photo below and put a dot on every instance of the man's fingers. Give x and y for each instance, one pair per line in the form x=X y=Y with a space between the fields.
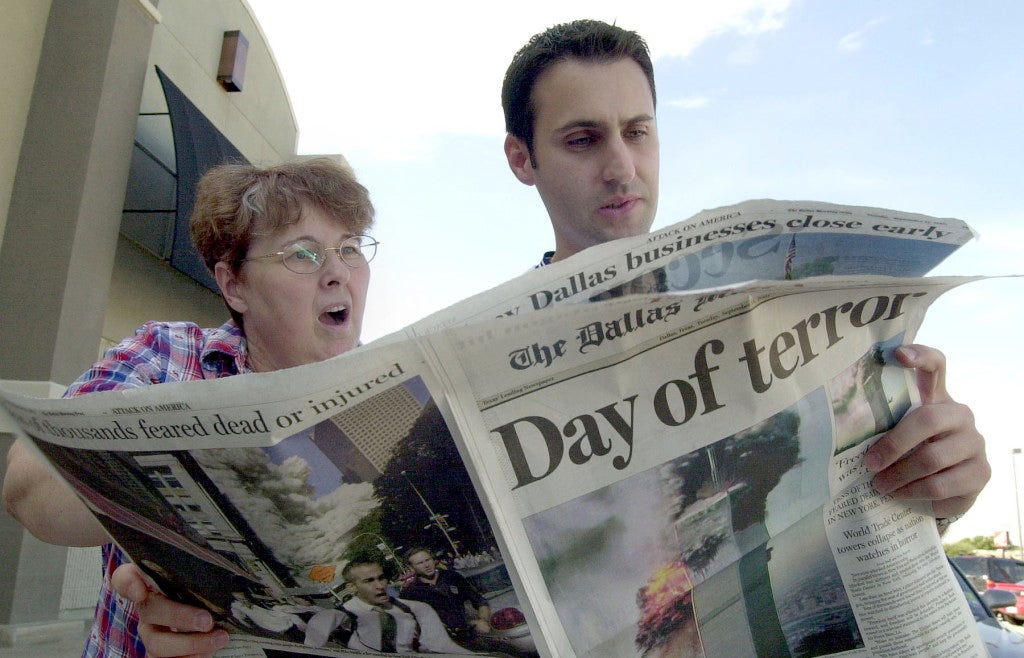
x=919 y=429
x=958 y=481
x=950 y=491
x=930 y=440
x=935 y=452
x=949 y=467
x=930 y=365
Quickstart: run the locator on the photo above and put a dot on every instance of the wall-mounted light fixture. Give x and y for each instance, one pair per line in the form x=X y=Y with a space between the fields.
x=233 y=51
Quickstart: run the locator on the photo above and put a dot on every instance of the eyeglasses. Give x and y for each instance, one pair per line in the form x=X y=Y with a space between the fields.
x=308 y=256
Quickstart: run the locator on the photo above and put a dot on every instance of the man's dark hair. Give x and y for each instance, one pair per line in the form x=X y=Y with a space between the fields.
x=360 y=561
x=417 y=549
x=588 y=40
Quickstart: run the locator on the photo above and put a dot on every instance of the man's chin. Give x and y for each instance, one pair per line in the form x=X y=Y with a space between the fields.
x=627 y=227
x=623 y=231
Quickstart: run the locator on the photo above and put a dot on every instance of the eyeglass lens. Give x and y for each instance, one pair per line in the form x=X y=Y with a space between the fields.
x=306 y=256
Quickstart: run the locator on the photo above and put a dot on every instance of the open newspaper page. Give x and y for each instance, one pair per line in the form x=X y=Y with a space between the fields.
x=248 y=495
x=754 y=240
x=682 y=474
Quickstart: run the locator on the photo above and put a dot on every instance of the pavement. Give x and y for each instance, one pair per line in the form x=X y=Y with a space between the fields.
x=66 y=646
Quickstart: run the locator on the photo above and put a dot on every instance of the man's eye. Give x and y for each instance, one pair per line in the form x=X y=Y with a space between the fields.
x=351 y=250
x=636 y=133
x=580 y=141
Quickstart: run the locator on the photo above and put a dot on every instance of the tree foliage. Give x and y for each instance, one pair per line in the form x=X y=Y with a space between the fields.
x=425 y=479
x=968 y=546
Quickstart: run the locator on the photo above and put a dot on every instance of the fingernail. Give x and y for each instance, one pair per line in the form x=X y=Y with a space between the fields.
x=136 y=592
x=203 y=620
x=220 y=639
x=873 y=462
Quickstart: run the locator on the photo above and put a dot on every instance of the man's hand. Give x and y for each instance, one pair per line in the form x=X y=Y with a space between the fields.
x=168 y=628
x=935 y=452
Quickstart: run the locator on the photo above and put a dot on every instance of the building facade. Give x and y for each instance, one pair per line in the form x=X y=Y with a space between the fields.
x=88 y=211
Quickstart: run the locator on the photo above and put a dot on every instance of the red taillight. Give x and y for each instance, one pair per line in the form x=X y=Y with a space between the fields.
x=989 y=584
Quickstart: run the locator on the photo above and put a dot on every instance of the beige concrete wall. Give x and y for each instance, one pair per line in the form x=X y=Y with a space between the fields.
x=186 y=44
x=21 y=39
x=69 y=197
x=69 y=185
x=65 y=201
x=258 y=120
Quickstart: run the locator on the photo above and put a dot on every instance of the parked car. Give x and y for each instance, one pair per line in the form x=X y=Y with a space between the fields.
x=1000 y=642
x=985 y=573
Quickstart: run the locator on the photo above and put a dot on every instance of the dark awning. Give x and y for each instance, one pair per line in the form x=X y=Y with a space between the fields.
x=198 y=146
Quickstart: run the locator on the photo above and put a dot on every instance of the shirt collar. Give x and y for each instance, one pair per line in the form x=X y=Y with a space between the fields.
x=225 y=350
x=546 y=260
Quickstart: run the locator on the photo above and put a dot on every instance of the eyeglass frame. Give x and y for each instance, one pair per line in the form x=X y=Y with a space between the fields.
x=322 y=249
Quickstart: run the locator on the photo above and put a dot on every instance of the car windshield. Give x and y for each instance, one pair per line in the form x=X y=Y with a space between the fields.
x=974 y=602
x=970 y=566
x=1005 y=571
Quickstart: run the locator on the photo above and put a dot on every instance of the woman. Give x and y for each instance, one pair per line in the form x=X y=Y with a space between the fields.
x=286 y=245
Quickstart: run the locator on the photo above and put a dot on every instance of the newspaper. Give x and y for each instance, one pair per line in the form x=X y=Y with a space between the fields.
x=759 y=239
x=672 y=470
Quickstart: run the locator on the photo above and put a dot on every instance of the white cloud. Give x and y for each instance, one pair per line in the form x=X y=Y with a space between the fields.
x=852 y=41
x=855 y=40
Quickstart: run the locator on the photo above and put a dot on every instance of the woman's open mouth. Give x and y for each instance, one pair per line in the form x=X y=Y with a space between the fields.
x=335 y=316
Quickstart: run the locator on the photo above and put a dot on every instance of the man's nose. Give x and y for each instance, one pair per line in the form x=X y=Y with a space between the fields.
x=618 y=166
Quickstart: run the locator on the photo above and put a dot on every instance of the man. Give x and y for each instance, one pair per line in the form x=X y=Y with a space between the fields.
x=579 y=102
x=579 y=106
x=448 y=593
x=378 y=622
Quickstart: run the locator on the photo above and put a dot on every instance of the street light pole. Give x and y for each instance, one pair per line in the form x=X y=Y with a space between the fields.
x=1016 y=497
x=435 y=518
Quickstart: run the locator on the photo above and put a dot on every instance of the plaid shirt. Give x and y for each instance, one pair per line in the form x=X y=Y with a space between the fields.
x=159 y=352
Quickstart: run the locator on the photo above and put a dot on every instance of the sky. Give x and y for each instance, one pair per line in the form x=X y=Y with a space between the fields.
x=913 y=106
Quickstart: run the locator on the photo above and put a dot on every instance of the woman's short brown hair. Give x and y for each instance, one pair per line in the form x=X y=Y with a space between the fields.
x=237 y=202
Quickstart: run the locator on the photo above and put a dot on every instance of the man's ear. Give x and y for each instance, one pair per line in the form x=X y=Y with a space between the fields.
x=518 y=156
x=227 y=281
